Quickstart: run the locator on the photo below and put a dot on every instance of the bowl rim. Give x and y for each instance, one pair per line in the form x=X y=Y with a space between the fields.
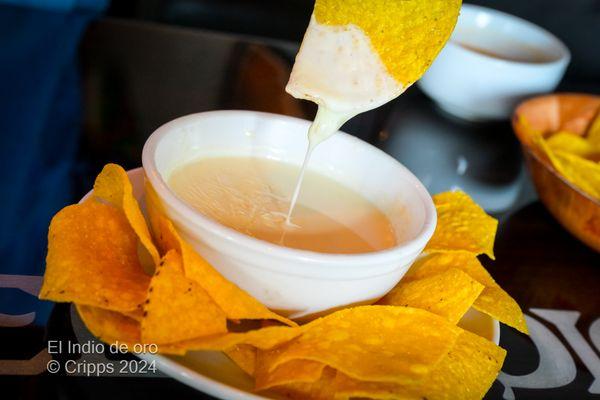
x=564 y=58
x=193 y=217
x=546 y=163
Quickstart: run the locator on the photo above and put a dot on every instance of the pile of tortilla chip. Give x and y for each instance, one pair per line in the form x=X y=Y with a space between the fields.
x=574 y=156
x=135 y=284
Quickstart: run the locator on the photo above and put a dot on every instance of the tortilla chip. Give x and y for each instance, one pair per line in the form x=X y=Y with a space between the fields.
x=449 y=294
x=137 y=314
x=574 y=144
x=92 y=259
x=110 y=326
x=583 y=173
x=244 y=356
x=177 y=308
x=320 y=390
x=466 y=372
x=379 y=343
x=545 y=150
x=493 y=300
x=294 y=371
x=113 y=185
x=346 y=387
x=593 y=131
x=462 y=226
x=236 y=303
x=263 y=338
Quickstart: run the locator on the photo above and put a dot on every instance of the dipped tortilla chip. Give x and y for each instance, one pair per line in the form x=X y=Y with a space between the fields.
x=92 y=259
x=382 y=343
x=112 y=185
x=493 y=300
x=294 y=371
x=236 y=303
x=110 y=326
x=177 y=308
x=407 y=35
x=462 y=226
x=449 y=294
x=466 y=373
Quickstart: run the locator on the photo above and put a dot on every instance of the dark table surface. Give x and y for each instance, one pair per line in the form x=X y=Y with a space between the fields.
x=137 y=76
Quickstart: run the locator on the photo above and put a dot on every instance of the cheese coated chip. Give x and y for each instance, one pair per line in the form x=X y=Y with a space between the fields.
x=177 y=308
x=407 y=35
x=449 y=294
x=92 y=259
x=462 y=226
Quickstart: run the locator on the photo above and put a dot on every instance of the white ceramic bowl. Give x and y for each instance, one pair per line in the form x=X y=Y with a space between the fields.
x=294 y=282
x=477 y=86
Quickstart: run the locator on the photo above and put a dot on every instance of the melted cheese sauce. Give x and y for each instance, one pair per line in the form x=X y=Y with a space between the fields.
x=251 y=195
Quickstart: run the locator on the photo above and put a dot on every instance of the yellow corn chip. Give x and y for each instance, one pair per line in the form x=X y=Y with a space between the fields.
x=574 y=144
x=263 y=338
x=320 y=390
x=462 y=226
x=236 y=303
x=593 y=132
x=466 y=373
x=110 y=326
x=543 y=148
x=493 y=300
x=136 y=314
x=294 y=371
x=349 y=388
x=581 y=172
x=382 y=343
x=406 y=34
x=92 y=259
x=177 y=308
x=113 y=185
x=449 y=294
x=244 y=356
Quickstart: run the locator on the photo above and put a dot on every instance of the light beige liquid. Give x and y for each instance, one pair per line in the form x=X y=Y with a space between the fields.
x=252 y=196
x=512 y=51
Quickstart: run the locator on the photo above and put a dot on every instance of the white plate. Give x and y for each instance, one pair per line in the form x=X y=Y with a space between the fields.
x=215 y=374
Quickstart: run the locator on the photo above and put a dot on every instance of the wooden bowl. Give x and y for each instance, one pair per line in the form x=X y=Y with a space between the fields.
x=576 y=210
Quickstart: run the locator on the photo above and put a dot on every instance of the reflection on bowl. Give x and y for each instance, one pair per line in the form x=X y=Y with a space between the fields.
x=576 y=210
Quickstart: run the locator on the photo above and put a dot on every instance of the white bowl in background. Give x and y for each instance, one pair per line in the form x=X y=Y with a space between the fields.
x=519 y=60
x=294 y=282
